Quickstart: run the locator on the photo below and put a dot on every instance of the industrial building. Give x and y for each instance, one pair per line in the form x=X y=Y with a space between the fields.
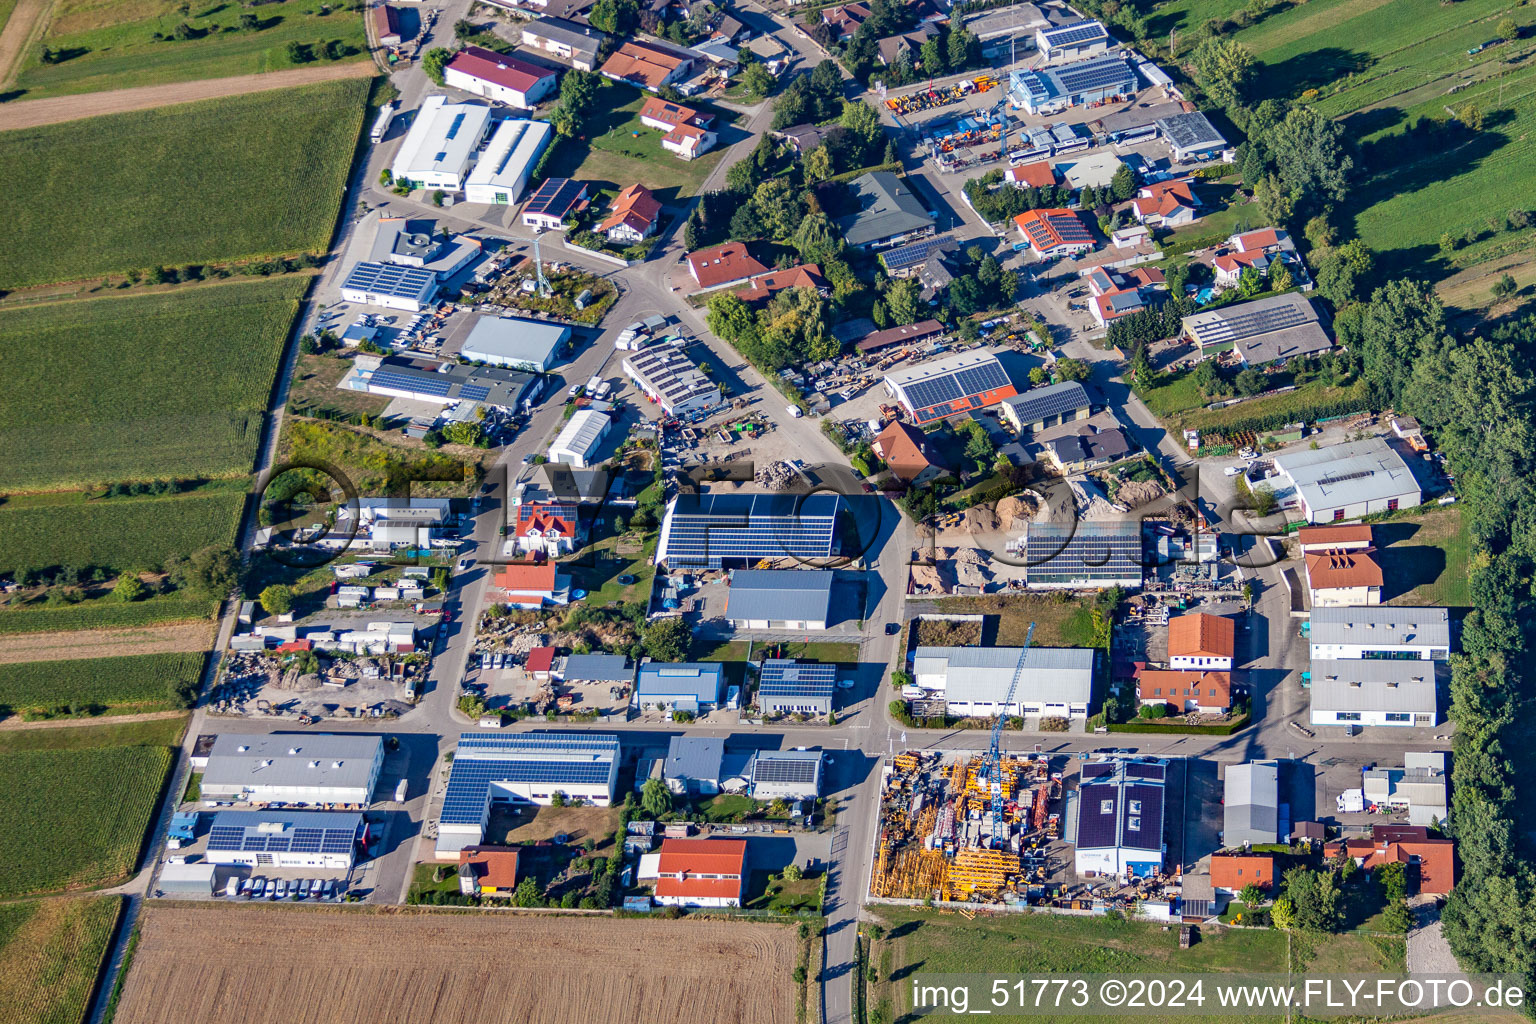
x=797 y=599
x=1052 y=89
x=697 y=872
x=531 y=345
x=587 y=669
x=302 y=769
x=672 y=381
x=692 y=687
x=418 y=243
x=729 y=530
x=501 y=174
x=1116 y=822
x=1251 y=808
x=693 y=765
x=1081 y=555
x=1378 y=691
x=553 y=202
x=390 y=285
x=788 y=687
x=1052 y=682
x=439 y=148
x=386 y=25
x=499 y=76
x=569 y=40
x=287 y=839
x=529 y=767
x=1261 y=331
x=1072 y=42
x=1380 y=633
x=786 y=774
x=886 y=213
x=1054 y=233
x=1050 y=406
x=1191 y=136
x=1346 y=481
x=578 y=443
x=444 y=383
x=1421 y=787
x=951 y=386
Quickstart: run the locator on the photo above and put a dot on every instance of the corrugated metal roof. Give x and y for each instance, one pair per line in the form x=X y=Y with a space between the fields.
x=1390 y=626
x=1374 y=685
x=241 y=760
x=982 y=674
x=780 y=594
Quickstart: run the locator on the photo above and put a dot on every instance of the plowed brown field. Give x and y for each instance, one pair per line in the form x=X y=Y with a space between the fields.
x=296 y=965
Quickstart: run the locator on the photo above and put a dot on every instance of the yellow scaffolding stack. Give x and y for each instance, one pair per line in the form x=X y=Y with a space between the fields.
x=985 y=871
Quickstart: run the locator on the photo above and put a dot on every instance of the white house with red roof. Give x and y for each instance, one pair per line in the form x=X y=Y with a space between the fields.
x=723 y=265
x=688 y=130
x=545 y=529
x=633 y=217
x=1260 y=249
x=1032 y=175
x=1113 y=305
x=1166 y=204
x=1054 y=232
x=499 y=76
x=698 y=872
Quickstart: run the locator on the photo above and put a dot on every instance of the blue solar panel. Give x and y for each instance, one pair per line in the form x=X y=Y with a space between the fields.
x=550 y=758
x=474 y=392
x=784 y=678
x=905 y=256
x=422 y=383
x=703 y=529
x=453 y=129
x=1069 y=35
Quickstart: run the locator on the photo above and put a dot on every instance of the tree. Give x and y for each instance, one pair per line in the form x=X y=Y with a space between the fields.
x=1310 y=155
x=614 y=17
x=979 y=448
x=1320 y=233
x=211 y=572
x=780 y=207
x=1314 y=896
x=1397 y=917
x=931 y=55
x=793 y=873
x=1342 y=272
x=1249 y=382
x=1252 y=895
x=1123 y=184
x=249 y=23
x=758 y=81
x=432 y=63
x=1393 y=879
x=578 y=90
x=816 y=239
x=527 y=894
x=566 y=124
x=465 y=433
x=1039 y=375
x=963 y=49
x=903 y=300
x=667 y=639
x=277 y=599
x=1225 y=69
x=129 y=587
x=818 y=164
x=1504 y=287
x=1283 y=914
x=1402 y=324
x=860 y=119
x=1273 y=200
x=1263 y=502
x=742 y=176
x=1249 y=282
x=1073 y=369
x=1509 y=30
x=655 y=798
x=1280 y=279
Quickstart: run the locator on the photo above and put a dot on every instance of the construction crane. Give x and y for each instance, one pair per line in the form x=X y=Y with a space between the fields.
x=994 y=765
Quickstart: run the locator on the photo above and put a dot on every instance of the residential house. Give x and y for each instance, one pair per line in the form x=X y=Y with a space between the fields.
x=1231 y=873
x=634 y=216
x=1209 y=693
x=1054 y=233
x=569 y=40
x=1430 y=863
x=765 y=286
x=488 y=870
x=1087 y=448
x=698 y=872
x=723 y=265
x=908 y=45
x=844 y=20
x=1113 y=305
x=886 y=213
x=687 y=130
x=1167 y=204
x=648 y=65
x=1339 y=578
x=1202 y=641
x=554 y=202
x=1039 y=174
x=545 y=529
x=906 y=451
x=532 y=585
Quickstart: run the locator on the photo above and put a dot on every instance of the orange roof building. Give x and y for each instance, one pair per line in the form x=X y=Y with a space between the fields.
x=1166 y=203
x=1207 y=692
x=1344 y=578
x=633 y=216
x=700 y=872
x=1231 y=872
x=1034 y=175
x=487 y=870
x=906 y=451
x=547 y=529
x=531 y=584
x=1336 y=538
x=1202 y=641
x=647 y=65
x=765 y=286
x=730 y=263
x=1054 y=232
x=1431 y=861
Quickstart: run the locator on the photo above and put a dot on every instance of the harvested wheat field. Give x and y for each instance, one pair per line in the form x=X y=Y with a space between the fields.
x=177 y=638
x=295 y=965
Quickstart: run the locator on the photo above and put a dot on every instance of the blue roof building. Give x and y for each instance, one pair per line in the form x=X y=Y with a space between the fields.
x=680 y=686
x=799 y=599
x=740 y=529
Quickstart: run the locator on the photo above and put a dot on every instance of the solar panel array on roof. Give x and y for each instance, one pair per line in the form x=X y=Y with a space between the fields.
x=1120 y=804
x=704 y=528
x=904 y=256
x=964 y=384
x=1254 y=322
x=1079 y=78
x=1050 y=401
x=782 y=677
x=554 y=197
x=390 y=279
x=474 y=392
x=1071 y=35
x=801 y=769
x=1085 y=551
x=555 y=758
x=406 y=380
x=263 y=832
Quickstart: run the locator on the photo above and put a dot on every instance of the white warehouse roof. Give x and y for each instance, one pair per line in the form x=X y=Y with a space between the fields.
x=442 y=139
x=582 y=434
x=1348 y=474
x=509 y=341
x=510 y=155
x=982 y=674
x=310 y=759
x=1382 y=625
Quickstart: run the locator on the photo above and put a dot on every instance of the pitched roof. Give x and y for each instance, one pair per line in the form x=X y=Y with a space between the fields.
x=780 y=594
x=579 y=37
x=807 y=275
x=683 y=861
x=905 y=450
x=546 y=519
x=1436 y=858
x=1225 y=869
x=886 y=208
x=499 y=68
x=1049 y=228
x=723 y=263
x=1176 y=686
x=1202 y=636
x=674 y=114
x=557 y=197
x=1036 y=175
x=494 y=867
x=635 y=206
x=1118 y=303
x=1351 y=534
x=1260 y=239
x=540 y=659
x=642 y=63
x=527 y=577
x=919 y=331
x=1330 y=570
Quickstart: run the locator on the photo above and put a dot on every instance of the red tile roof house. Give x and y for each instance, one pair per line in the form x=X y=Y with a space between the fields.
x=765 y=286
x=906 y=451
x=845 y=20
x=531 y=585
x=723 y=265
x=498 y=76
x=1166 y=204
x=647 y=65
x=1259 y=249
x=698 y=872
x=633 y=216
x=1033 y=175
x=1433 y=861
x=1209 y=693
x=1231 y=872
x=540 y=662
x=1202 y=641
x=488 y=870
x=1116 y=304
x=1054 y=232
x=687 y=130
x=548 y=530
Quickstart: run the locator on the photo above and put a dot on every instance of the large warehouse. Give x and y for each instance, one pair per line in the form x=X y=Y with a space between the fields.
x=287 y=839
x=672 y=381
x=797 y=599
x=443 y=383
x=950 y=386
x=1261 y=331
x=1374 y=691
x=1380 y=633
x=501 y=175
x=578 y=443
x=1116 y=822
x=303 y=769
x=740 y=529
x=1081 y=555
x=1048 y=90
x=390 y=285
x=441 y=144
x=1347 y=481
x=499 y=76
x=1054 y=682
x=531 y=345
x=528 y=767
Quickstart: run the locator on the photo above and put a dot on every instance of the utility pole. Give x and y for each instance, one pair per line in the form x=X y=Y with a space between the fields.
x=1173 y=35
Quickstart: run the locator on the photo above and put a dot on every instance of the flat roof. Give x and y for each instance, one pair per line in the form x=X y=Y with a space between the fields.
x=510 y=155
x=1192 y=130
x=310 y=759
x=1088 y=550
x=1347 y=474
x=702 y=680
x=392 y=279
x=1052 y=675
x=442 y=138
x=785 y=677
x=599 y=668
x=778 y=594
x=796 y=767
x=285 y=831
x=1373 y=685
x=511 y=339
x=1381 y=624
x=445 y=383
x=1120 y=806
x=556 y=757
x=704 y=527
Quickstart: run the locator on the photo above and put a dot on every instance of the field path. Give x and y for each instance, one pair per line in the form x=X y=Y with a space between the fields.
x=31 y=113
x=175 y=638
x=24 y=18
x=64 y=723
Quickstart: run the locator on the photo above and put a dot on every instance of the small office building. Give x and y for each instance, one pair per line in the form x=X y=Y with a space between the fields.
x=788 y=687
x=692 y=687
x=287 y=839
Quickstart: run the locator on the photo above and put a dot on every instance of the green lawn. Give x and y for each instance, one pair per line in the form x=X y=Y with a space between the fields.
x=618 y=150
x=79 y=802
x=141 y=682
x=423 y=882
x=164 y=385
x=767 y=891
x=1173 y=394
x=817 y=650
x=1425 y=558
x=1299 y=405
x=50 y=954
x=119 y=534
x=597 y=567
x=1058 y=622
x=112 y=46
x=246 y=176
x=726 y=807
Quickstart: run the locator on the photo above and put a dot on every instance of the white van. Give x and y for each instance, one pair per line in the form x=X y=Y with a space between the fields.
x=794 y=411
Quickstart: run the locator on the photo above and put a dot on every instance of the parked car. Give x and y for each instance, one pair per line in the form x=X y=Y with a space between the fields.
x=892 y=628
x=282 y=889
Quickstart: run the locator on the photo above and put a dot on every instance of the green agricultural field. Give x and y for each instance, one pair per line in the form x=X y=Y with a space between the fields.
x=77 y=805
x=157 y=386
x=246 y=176
x=112 y=45
x=142 y=682
x=104 y=613
x=117 y=533
x=50 y=955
